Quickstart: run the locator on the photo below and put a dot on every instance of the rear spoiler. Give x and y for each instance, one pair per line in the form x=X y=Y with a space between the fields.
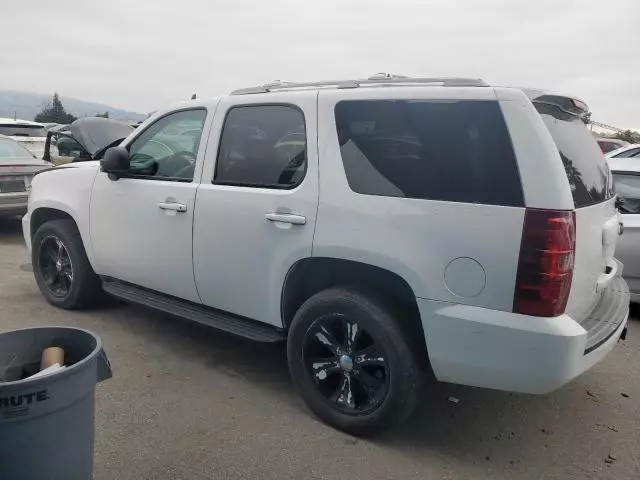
x=568 y=104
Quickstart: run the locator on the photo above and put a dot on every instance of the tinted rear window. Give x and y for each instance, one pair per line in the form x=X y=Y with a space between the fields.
x=583 y=161
x=457 y=151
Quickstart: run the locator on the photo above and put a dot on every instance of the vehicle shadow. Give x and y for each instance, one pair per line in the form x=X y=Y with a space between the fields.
x=11 y=231
x=263 y=364
x=472 y=424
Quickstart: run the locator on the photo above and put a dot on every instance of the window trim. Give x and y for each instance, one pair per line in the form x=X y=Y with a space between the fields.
x=163 y=116
x=521 y=201
x=261 y=185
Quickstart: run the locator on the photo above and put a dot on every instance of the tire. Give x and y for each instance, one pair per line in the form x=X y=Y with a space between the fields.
x=83 y=286
x=389 y=359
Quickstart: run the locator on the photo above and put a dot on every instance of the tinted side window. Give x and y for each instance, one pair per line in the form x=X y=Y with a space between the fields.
x=628 y=187
x=583 y=161
x=457 y=151
x=262 y=146
x=168 y=148
x=68 y=147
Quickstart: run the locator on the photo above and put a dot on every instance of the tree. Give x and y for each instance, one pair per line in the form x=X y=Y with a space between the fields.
x=53 y=112
x=628 y=136
x=103 y=115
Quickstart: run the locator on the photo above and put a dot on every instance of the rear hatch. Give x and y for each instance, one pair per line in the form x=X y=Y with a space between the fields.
x=29 y=134
x=597 y=220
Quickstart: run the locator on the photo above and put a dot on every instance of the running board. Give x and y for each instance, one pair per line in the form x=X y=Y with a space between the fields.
x=192 y=311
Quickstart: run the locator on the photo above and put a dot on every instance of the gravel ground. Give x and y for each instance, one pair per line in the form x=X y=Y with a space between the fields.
x=187 y=402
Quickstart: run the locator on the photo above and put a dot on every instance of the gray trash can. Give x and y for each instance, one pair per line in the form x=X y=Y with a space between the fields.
x=46 y=423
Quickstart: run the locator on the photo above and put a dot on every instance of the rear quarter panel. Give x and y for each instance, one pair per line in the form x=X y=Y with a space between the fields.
x=416 y=239
x=544 y=182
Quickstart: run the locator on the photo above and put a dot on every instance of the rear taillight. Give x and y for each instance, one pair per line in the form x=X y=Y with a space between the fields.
x=545 y=268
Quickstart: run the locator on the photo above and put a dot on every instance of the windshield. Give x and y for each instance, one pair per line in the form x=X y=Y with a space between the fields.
x=584 y=164
x=11 y=150
x=12 y=130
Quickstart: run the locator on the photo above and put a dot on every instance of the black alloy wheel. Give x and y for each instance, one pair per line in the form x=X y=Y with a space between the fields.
x=348 y=366
x=353 y=361
x=55 y=266
x=61 y=267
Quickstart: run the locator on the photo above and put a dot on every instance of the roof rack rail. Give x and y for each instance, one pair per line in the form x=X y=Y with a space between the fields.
x=377 y=79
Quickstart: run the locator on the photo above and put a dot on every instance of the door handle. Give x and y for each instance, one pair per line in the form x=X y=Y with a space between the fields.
x=175 y=207
x=286 y=218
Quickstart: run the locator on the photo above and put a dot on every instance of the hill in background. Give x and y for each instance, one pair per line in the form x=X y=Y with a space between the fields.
x=25 y=106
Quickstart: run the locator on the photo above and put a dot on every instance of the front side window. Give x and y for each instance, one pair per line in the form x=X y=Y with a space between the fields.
x=456 y=151
x=628 y=188
x=65 y=146
x=262 y=146
x=168 y=148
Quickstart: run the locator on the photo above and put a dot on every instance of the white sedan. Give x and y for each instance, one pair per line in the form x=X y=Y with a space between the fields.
x=31 y=135
x=628 y=151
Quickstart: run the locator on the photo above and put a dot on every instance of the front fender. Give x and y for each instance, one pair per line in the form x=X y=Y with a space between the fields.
x=66 y=189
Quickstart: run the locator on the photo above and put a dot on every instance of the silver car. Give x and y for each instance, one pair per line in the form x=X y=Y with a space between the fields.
x=626 y=178
x=17 y=167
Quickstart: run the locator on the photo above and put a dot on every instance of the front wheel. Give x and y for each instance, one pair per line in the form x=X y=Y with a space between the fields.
x=61 y=267
x=349 y=358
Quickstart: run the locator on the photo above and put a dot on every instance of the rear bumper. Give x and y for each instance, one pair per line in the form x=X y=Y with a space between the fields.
x=13 y=203
x=506 y=351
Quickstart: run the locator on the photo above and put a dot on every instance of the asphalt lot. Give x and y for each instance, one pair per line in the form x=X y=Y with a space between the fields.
x=187 y=402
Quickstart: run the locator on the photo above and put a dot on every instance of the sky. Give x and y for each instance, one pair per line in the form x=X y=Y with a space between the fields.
x=142 y=55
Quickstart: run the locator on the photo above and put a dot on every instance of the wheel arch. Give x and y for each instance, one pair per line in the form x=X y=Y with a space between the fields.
x=45 y=213
x=311 y=275
x=41 y=215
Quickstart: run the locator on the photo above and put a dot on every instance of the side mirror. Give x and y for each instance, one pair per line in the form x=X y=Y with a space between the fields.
x=115 y=162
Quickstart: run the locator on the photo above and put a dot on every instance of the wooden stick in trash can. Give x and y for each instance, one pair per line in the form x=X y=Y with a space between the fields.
x=51 y=356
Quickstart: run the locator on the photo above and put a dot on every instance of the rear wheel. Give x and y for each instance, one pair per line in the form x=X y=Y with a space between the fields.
x=351 y=361
x=61 y=267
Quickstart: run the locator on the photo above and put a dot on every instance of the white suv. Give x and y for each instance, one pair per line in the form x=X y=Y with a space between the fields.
x=383 y=227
